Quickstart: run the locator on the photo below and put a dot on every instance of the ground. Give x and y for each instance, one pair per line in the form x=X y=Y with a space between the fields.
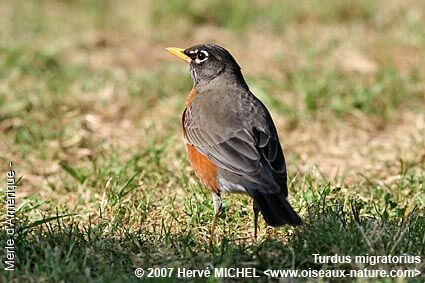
x=90 y=113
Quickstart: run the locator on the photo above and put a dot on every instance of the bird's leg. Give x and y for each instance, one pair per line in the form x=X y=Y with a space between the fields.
x=256 y=210
x=217 y=209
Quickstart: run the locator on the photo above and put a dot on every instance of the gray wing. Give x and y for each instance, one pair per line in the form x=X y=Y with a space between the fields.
x=245 y=149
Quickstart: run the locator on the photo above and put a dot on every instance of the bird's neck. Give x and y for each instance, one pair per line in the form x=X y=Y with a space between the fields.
x=232 y=77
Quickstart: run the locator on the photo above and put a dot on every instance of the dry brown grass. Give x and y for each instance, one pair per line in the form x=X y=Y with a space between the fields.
x=88 y=84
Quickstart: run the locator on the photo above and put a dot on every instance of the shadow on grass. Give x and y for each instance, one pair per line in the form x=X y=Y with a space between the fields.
x=333 y=230
x=63 y=249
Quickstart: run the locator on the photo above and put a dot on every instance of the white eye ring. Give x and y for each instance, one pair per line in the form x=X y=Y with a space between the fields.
x=205 y=53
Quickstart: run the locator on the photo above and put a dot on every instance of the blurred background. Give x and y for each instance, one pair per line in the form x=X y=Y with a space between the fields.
x=90 y=102
x=344 y=80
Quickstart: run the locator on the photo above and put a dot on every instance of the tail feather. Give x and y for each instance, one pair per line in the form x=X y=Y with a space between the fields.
x=276 y=210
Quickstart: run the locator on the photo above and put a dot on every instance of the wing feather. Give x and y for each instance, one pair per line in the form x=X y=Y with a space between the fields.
x=248 y=152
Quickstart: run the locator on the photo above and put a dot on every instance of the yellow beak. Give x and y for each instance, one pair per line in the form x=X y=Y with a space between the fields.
x=179 y=53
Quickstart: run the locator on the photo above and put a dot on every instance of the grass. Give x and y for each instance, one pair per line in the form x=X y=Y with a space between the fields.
x=90 y=109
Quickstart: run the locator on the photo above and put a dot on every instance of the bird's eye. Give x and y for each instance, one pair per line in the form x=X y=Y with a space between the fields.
x=201 y=57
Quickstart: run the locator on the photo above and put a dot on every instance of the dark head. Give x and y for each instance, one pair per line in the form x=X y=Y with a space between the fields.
x=207 y=62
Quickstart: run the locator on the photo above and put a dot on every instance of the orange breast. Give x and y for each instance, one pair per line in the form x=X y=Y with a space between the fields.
x=191 y=96
x=203 y=167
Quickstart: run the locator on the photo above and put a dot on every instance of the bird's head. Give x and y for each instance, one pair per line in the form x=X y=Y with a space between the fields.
x=207 y=61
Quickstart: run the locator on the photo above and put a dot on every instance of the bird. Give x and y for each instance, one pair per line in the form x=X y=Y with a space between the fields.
x=231 y=140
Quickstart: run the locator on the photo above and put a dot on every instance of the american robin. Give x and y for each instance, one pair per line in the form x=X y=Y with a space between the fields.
x=230 y=137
